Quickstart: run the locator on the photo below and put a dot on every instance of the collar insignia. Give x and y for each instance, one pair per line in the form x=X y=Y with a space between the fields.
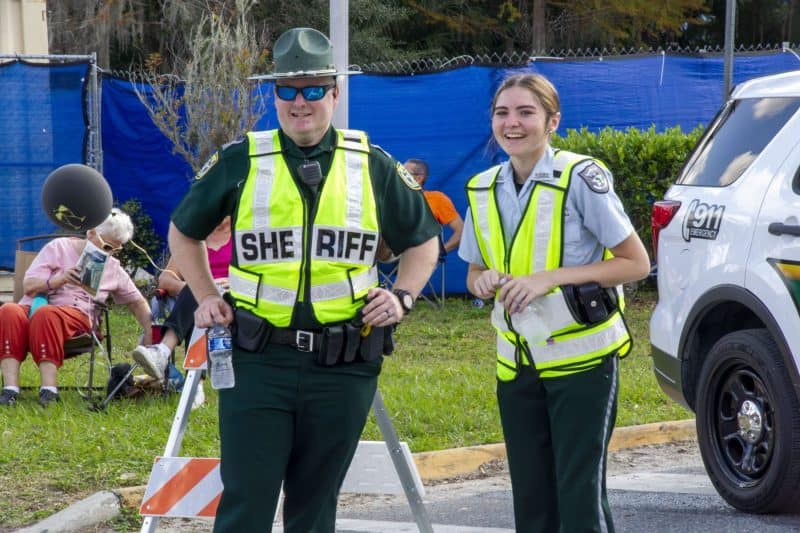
x=208 y=165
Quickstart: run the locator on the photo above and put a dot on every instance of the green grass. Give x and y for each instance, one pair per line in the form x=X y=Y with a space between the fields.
x=438 y=388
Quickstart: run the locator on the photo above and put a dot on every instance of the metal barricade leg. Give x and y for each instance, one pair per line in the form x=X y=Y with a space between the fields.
x=400 y=464
x=179 y=424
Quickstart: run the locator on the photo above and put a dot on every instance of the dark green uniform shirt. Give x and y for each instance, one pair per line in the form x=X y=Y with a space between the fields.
x=404 y=217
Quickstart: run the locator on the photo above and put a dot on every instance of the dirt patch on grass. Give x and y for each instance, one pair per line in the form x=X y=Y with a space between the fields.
x=26 y=501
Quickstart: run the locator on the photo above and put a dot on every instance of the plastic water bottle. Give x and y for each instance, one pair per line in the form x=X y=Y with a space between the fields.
x=531 y=323
x=220 y=357
x=499 y=316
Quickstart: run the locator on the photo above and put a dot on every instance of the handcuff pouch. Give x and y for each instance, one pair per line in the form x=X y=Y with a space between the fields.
x=372 y=344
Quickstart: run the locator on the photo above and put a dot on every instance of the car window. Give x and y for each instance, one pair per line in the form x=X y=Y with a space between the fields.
x=735 y=138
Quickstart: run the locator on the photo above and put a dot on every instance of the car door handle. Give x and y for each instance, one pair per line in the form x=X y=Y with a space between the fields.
x=779 y=228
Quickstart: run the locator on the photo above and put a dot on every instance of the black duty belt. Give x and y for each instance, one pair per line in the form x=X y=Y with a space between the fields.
x=341 y=343
x=299 y=339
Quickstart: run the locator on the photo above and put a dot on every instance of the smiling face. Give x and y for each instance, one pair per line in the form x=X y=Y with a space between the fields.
x=521 y=125
x=303 y=121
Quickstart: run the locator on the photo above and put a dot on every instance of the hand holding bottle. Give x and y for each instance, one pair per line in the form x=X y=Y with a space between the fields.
x=220 y=357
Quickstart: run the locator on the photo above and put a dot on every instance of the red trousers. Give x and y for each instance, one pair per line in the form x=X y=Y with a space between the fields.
x=43 y=334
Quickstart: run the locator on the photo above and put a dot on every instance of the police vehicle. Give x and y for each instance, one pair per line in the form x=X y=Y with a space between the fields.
x=725 y=333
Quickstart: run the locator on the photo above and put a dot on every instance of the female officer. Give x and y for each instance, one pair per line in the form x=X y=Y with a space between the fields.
x=546 y=235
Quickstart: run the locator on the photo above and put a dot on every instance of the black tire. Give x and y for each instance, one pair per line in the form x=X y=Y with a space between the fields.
x=748 y=424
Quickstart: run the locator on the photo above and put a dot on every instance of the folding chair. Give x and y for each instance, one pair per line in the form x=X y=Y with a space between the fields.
x=387 y=273
x=95 y=341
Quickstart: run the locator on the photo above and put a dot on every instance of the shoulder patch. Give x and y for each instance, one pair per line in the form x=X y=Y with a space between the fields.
x=407 y=178
x=595 y=178
x=208 y=165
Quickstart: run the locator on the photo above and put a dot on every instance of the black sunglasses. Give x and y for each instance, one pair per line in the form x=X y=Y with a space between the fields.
x=312 y=93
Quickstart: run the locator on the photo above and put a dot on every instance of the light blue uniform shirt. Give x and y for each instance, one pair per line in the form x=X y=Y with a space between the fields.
x=592 y=221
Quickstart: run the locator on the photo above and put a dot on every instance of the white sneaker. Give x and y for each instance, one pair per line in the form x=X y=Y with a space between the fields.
x=199 y=396
x=152 y=360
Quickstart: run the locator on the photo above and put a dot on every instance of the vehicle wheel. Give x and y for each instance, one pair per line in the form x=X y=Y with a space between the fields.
x=748 y=423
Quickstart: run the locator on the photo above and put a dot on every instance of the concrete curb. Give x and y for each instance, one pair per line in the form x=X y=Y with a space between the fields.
x=98 y=508
x=454 y=462
x=103 y=506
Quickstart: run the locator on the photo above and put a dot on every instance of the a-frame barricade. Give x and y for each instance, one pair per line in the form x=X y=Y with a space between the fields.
x=191 y=487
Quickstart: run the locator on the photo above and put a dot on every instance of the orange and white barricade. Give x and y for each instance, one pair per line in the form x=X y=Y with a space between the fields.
x=183 y=486
x=164 y=488
x=191 y=487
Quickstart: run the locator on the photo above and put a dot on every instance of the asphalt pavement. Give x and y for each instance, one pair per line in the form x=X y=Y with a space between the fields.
x=656 y=483
x=435 y=468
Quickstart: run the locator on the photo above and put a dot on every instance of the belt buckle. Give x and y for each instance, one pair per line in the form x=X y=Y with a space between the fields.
x=304 y=340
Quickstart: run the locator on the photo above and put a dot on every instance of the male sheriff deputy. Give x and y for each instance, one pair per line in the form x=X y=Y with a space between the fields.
x=309 y=205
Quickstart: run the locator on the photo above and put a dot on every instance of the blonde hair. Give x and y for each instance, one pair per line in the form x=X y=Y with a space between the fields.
x=538 y=85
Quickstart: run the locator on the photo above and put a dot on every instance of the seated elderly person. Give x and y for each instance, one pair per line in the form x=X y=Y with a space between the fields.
x=69 y=309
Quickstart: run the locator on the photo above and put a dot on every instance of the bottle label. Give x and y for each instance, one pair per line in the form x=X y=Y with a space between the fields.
x=216 y=344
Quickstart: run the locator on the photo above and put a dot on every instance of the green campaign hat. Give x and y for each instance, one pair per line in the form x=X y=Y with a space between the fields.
x=303 y=53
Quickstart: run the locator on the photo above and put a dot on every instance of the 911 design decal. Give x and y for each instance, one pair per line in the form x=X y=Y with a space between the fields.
x=702 y=221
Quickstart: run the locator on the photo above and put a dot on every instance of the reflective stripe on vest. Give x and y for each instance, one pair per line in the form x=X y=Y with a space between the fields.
x=553 y=358
x=571 y=347
x=273 y=245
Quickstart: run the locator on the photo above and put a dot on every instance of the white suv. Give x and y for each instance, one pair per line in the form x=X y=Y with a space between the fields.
x=725 y=334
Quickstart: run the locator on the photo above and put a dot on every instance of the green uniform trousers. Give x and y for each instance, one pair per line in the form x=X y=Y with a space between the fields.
x=289 y=419
x=557 y=432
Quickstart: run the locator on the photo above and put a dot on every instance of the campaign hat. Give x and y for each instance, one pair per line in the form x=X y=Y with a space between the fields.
x=303 y=53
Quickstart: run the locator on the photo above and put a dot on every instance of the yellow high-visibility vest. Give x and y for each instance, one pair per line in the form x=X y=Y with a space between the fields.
x=535 y=247
x=276 y=249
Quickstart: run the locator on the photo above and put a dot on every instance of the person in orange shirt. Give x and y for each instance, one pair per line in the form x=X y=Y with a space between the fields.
x=442 y=207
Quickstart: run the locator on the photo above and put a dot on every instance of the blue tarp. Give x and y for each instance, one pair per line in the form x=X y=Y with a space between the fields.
x=137 y=158
x=42 y=126
x=440 y=117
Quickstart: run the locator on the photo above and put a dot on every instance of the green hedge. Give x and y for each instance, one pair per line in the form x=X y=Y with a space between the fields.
x=644 y=164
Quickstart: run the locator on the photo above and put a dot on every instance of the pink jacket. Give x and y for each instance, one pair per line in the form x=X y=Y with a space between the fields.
x=61 y=254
